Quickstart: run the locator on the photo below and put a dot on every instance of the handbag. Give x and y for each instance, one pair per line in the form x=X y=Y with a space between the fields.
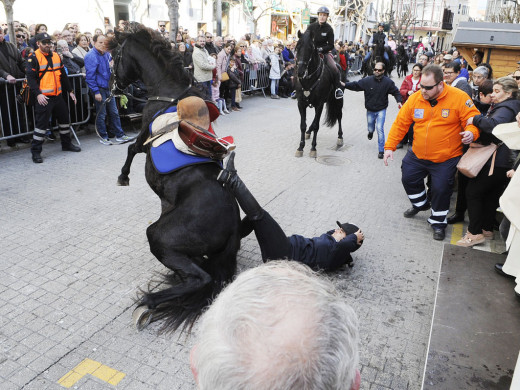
x=475 y=158
x=238 y=95
x=25 y=96
x=224 y=76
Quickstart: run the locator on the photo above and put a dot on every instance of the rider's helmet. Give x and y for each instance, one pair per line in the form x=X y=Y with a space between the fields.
x=323 y=10
x=380 y=25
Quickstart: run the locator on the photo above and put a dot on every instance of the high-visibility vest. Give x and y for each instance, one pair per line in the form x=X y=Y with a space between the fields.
x=50 y=83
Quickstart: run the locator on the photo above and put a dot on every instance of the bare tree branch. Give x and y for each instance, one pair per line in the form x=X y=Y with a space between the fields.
x=173 y=14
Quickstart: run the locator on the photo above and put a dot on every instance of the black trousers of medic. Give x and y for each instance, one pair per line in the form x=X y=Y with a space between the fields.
x=415 y=170
x=57 y=108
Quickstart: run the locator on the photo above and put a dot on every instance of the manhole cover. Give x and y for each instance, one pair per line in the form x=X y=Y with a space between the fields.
x=332 y=160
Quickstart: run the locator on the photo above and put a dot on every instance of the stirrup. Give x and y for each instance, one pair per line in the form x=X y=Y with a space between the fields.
x=338 y=94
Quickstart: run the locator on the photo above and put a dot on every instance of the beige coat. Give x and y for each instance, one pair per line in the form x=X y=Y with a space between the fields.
x=202 y=66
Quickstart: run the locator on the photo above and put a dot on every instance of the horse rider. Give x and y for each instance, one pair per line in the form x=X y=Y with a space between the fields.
x=378 y=36
x=324 y=41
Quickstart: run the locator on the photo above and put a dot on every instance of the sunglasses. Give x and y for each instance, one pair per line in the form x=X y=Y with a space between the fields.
x=46 y=43
x=20 y=36
x=429 y=87
x=209 y=36
x=162 y=25
x=378 y=70
x=516 y=77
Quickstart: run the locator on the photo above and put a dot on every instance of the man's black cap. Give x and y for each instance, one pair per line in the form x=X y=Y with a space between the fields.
x=348 y=227
x=42 y=37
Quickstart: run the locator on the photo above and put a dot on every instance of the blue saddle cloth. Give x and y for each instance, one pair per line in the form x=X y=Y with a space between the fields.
x=166 y=158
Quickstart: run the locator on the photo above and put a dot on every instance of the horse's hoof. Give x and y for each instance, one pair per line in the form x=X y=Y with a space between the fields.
x=339 y=142
x=307 y=135
x=141 y=317
x=299 y=153
x=312 y=154
x=123 y=181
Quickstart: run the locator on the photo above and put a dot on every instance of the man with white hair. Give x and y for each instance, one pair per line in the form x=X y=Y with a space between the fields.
x=265 y=49
x=278 y=326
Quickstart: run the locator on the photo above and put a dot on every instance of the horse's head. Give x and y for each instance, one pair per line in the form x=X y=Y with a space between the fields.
x=120 y=45
x=305 y=53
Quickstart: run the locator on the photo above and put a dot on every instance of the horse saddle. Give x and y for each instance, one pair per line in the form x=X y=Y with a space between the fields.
x=177 y=143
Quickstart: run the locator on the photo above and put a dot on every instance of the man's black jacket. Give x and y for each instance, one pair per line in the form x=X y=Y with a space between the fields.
x=376 y=91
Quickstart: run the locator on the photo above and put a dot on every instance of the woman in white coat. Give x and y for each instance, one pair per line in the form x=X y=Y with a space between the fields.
x=275 y=74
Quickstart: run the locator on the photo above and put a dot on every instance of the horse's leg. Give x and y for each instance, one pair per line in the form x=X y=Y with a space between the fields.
x=339 y=142
x=315 y=126
x=133 y=149
x=302 y=107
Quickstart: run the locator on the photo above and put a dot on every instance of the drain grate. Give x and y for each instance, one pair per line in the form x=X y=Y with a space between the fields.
x=332 y=160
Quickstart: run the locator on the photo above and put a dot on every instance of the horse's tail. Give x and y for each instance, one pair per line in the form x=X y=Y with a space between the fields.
x=181 y=312
x=334 y=109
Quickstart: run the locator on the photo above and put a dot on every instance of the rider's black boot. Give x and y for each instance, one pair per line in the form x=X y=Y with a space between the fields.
x=245 y=199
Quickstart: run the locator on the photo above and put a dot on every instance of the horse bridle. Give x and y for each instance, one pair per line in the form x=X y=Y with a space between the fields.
x=306 y=75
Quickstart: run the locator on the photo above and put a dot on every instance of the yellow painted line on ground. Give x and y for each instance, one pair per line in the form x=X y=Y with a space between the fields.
x=456 y=233
x=89 y=366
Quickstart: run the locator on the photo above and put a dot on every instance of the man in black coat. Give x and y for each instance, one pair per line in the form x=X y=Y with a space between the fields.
x=377 y=88
x=12 y=67
x=323 y=36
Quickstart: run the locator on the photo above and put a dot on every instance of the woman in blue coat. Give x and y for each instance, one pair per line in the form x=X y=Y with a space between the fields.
x=327 y=252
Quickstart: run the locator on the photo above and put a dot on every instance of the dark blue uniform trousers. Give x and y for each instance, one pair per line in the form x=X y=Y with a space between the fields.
x=414 y=170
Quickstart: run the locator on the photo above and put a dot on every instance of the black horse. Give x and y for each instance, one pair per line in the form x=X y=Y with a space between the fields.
x=378 y=55
x=314 y=88
x=197 y=234
x=402 y=61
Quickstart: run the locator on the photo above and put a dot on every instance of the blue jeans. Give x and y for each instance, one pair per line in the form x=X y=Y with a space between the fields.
x=385 y=55
x=274 y=86
x=376 y=121
x=113 y=115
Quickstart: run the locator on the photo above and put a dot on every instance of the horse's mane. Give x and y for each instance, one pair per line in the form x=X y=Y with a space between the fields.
x=159 y=47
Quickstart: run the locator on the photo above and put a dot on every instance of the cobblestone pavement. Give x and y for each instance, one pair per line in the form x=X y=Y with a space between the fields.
x=74 y=253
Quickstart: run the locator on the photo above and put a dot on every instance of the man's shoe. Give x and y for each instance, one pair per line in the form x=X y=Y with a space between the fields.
x=370 y=135
x=70 y=148
x=338 y=94
x=498 y=268
x=234 y=108
x=37 y=158
x=105 y=141
x=275 y=97
x=50 y=136
x=455 y=217
x=439 y=234
x=415 y=210
x=380 y=155
x=124 y=139
x=471 y=239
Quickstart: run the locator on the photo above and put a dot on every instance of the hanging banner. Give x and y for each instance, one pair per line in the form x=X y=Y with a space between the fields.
x=306 y=16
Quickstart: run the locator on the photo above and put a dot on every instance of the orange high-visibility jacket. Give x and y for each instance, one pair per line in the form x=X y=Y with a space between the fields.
x=50 y=83
x=436 y=133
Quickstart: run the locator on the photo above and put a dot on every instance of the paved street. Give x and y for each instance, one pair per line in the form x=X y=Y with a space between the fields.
x=74 y=253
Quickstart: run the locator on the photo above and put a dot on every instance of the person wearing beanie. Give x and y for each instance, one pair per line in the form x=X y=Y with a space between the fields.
x=327 y=252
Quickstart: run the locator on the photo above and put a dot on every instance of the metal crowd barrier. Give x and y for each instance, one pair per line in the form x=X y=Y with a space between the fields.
x=255 y=80
x=17 y=120
x=355 y=68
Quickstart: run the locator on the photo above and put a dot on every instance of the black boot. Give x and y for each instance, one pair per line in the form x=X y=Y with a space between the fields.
x=245 y=199
x=36 y=150
x=37 y=158
x=67 y=145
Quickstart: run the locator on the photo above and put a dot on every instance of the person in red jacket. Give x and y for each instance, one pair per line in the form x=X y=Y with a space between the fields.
x=440 y=114
x=410 y=85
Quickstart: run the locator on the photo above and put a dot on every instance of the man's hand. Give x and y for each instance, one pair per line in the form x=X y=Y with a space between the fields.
x=399 y=105
x=42 y=99
x=510 y=173
x=467 y=136
x=389 y=154
x=10 y=79
x=98 y=97
x=73 y=97
x=360 y=236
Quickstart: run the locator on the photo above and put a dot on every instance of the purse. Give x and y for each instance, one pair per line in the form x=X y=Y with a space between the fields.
x=475 y=158
x=224 y=76
x=25 y=96
x=238 y=95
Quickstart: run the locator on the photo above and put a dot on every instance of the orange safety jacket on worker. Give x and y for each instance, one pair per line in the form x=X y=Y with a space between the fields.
x=44 y=77
x=436 y=133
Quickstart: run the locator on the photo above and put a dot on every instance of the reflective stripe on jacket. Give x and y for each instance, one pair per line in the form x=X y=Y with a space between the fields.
x=436 y=133
x=50 y=83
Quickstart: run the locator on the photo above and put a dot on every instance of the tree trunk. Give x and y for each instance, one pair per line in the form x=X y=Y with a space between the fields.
x=8 y=7
x=173 y=14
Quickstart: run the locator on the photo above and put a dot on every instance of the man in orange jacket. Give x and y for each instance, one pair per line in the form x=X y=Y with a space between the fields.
x=440 y=114
x=46 y=77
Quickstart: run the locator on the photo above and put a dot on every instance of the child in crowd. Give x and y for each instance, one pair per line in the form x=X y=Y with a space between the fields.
x=215 y=94
x=234 y=82
x=276 y=71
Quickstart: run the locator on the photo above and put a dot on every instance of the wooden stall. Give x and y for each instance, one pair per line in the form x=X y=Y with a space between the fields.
x=500 y=43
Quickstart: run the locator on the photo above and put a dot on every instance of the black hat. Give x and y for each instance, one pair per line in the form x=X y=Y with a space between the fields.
x=42 y=37
x=348 y=227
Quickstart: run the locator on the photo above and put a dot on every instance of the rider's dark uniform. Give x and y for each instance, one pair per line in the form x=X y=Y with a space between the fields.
x=324 y=41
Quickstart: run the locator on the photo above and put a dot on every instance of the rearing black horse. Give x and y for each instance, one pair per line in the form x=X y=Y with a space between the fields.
x=197 y=233
x=315 y=87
